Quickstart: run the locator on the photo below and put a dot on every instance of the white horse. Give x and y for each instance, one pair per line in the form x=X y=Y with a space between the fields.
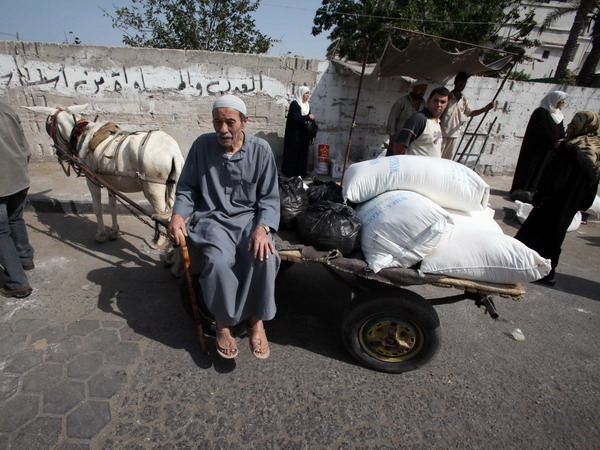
x=148 y=161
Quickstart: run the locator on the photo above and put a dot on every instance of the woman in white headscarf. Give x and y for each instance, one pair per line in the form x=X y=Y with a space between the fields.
x=297 y=139
x=544 y=133
x=569 y=184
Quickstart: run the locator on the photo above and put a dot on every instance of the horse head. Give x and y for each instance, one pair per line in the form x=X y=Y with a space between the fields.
x=61 y=123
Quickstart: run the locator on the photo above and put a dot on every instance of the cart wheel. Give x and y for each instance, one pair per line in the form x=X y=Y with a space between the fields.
x=391 y=330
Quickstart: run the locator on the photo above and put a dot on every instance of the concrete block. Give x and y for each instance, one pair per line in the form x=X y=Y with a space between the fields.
x=88 y=420
x=18 y=411
x=82 y=327
x=107 y=383
x=64 y=397
x=24 y=360
x=123 y=354
x=29 y=325
x=52 y=334
x=43 y=377
x=101 y=340
x=43 y=432
x=9 y=386
x=12 y=344
x=85 y=365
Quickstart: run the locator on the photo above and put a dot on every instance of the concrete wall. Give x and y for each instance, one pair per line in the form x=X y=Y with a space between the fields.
x=173 y=90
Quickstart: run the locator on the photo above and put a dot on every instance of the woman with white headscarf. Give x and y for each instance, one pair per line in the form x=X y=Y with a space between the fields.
x=544 y=133
x=297 y=139
x=569 y=184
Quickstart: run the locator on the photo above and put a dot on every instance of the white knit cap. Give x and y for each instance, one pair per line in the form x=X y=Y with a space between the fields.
x=419 y=82
x=230 y=101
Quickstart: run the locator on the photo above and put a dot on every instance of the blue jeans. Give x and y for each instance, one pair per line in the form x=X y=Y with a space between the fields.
x=15 y=249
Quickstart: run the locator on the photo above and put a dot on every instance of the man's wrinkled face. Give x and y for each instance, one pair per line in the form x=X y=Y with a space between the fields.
x=228 y=125
x=437 y=105
x=419 y=90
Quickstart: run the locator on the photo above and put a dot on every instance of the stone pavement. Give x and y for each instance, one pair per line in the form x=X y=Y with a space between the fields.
x=102 y=355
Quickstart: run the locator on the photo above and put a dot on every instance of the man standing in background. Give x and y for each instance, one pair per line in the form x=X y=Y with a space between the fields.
x=422 y=134
x=16 y=253
x=405 y=107
x=458 y=108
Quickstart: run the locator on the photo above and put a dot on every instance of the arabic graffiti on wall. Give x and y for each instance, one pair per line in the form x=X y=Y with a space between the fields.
x=148 y=79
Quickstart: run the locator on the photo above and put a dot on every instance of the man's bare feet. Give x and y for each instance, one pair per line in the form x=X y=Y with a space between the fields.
x=258 y=339
x=226 y=343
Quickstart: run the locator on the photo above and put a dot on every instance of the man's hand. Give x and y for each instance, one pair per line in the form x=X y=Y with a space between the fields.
x=399 y=149
x=177 y=223
x=260 y=244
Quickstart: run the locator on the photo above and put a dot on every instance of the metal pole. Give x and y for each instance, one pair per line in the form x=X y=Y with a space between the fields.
x=362 y=74
x=485 y=114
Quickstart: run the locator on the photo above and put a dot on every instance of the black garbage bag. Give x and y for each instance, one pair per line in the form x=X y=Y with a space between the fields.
x=294 y=200
x=328 y=225
x=324 y=190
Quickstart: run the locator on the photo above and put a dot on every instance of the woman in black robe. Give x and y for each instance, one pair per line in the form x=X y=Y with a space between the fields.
x=297 y=139
x=544 y=132
x=569 y=184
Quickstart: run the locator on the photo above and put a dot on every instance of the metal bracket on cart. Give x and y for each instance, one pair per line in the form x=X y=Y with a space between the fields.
x=481 y=301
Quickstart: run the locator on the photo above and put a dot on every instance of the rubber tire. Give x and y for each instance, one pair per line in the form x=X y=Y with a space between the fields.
x=378 y=307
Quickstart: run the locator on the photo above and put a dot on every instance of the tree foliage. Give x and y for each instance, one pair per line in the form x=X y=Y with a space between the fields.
x=358 y=25
x=214 y=25
x=587 y=13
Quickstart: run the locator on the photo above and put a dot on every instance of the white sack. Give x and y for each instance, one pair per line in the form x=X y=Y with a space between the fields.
x=447 y=183
x=482 y=219
x=481 y=255
x=523 y=210
x=399 y=228
x=594 y=210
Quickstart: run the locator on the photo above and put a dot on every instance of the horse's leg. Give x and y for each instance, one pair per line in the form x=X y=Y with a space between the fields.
x=113 y=234
x=95 y=191
x=156 y=195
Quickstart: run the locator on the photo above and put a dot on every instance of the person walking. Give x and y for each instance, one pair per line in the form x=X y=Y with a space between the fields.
x=544 y=133
x=16 y=253
x=569 y=184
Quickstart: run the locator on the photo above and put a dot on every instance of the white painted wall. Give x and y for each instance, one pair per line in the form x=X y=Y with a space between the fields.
x=173 y=90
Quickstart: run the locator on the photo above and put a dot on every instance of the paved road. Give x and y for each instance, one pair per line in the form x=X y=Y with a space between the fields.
x=102 y=355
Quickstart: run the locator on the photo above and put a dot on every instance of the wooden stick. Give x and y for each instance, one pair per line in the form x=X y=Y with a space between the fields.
x=192 y=292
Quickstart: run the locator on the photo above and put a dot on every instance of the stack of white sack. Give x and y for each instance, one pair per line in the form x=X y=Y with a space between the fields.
x=399 y=228
x=444 y=224
x=445 y=182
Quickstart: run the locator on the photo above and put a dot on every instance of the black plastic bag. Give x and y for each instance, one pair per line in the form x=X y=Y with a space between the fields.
x=311 y=128
x=327 y=225
x=294 y=200
x=324 y=190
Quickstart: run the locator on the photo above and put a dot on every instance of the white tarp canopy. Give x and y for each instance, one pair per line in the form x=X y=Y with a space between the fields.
x=424 y=58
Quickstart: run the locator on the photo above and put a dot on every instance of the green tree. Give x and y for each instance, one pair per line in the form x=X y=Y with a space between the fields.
x=214 y=25
x=588 y=69
x=585 y=11
x=355 y=22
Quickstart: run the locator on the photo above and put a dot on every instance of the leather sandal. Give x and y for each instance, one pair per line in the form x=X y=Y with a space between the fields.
x=262 y=350
x=229 y=350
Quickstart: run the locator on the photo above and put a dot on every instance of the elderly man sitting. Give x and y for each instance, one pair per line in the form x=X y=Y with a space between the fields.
x=228 y=188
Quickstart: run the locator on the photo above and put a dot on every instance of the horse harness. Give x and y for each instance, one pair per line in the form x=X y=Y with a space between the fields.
x=109 y=130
